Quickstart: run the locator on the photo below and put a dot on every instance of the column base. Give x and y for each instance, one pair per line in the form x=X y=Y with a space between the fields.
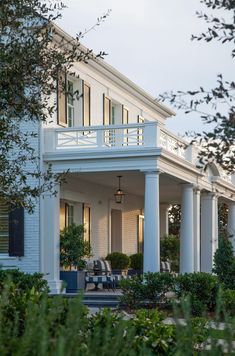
x=56 y=286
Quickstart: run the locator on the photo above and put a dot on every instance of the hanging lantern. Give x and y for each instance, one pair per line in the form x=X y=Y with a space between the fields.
x=119 y=195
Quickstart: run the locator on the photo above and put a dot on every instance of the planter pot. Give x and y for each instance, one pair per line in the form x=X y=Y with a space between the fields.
x=135 y=272
x=75 y=280
x=122 y=272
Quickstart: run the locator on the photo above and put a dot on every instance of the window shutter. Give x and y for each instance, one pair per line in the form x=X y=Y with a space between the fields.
x=106 y=110
x=62 y=99
x=16 y=232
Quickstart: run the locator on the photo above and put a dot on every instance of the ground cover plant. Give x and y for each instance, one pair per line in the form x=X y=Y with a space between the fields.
x=45 y=325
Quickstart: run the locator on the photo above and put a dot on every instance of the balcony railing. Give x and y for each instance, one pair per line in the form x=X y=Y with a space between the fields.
x=129 y=136
x=102 y=137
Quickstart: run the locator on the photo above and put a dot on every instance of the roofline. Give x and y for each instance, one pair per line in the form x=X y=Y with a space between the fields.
x=115 y=75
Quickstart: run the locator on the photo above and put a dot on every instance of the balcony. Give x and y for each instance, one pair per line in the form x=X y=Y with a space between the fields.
x=120 y=137
x=114 y=137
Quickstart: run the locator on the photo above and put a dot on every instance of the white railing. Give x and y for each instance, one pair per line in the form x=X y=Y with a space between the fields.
x=173 y=144
x=103 y=137
x=138 y=136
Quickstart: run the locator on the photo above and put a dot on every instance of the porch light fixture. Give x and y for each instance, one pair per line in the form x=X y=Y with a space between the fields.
x=119 y=195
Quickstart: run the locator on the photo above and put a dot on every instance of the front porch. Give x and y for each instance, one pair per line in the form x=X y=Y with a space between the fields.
x=88 y=198
x=158 y=169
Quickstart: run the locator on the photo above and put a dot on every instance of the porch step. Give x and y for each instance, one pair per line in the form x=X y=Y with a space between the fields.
x=99 y=299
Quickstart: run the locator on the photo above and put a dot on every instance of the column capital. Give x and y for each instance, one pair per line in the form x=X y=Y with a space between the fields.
x=187 y=185
x=152 y=171
x=209 y=195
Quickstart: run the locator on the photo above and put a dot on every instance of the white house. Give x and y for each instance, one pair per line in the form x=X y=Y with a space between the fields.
x=117 y=129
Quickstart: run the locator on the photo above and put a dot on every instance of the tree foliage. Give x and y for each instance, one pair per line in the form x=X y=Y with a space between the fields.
x=31 y=56
x=215 y=105
x=224 y=263
x=73 y=248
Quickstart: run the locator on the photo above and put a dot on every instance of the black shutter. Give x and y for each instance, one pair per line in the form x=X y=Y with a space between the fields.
x=16 y=232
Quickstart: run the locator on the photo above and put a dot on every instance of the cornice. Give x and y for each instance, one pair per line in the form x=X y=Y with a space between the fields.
x=120 y=79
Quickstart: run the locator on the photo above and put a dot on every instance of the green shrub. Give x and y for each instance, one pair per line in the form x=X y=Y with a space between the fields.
x=118 y=260
x=133 y=292
x=156 y=285
x=73 y=249
x=24 y=282
x=170 y=250
x=224 y=263
x=58 y=326
x=202 y=288
x=153 y=333
x=228 y=301
x=137 y=261
x=148 y=289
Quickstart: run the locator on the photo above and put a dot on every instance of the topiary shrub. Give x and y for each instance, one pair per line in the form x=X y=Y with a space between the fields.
x=137 y=261
x=202 y=288
x=118 y=260
x=224 y=263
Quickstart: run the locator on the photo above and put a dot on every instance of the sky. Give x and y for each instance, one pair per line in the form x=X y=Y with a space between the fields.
x=149 y=42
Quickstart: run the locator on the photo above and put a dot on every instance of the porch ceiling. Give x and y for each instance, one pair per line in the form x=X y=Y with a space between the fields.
x=133 y=183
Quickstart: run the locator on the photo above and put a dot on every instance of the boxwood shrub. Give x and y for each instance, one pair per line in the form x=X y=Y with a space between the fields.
x=147 y=290
x=137 y=261
x=201 y=287
x=118 y=260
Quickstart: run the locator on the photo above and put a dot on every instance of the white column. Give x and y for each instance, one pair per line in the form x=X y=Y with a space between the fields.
x=164 y=220
x=209 y=230
x=51 y=241
x=197 y=229
x=151 y=223
x=187 y=230
x=231 y=224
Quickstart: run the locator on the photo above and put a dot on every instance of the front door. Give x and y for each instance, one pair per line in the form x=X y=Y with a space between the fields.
x=116 y=230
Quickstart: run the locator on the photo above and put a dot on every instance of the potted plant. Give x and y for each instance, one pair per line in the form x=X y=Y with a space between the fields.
x=119 y=262
x=73 y=254
x=136 y=265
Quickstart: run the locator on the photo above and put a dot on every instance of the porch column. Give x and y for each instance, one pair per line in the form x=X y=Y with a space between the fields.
x=164 y=220
x=209 y=230
x=231 y=224
x=51 y=241
x=197 y=229
x=187 y=230
x=151 y=223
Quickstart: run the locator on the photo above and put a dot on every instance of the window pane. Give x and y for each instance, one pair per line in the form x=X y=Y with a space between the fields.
x=87 y=105
x=140 y=234
x=62 y=215
x=4 y=228
x=87 y=222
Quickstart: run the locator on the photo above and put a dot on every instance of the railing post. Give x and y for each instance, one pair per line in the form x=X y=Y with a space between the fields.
x=50 y=138
x=189 y=153
x=151 y=134
x=100 y=138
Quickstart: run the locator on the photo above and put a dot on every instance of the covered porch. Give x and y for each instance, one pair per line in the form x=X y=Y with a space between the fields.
x=88 y=198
